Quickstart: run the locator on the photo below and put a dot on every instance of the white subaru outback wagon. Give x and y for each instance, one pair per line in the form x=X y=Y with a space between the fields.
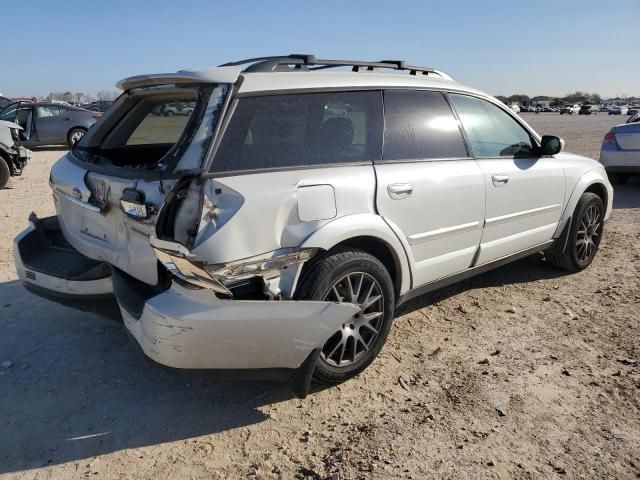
x=278 y=224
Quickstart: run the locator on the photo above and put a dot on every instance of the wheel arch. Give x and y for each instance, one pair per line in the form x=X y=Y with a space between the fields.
x=370 y=233
x=77 y=127
x=594 y=182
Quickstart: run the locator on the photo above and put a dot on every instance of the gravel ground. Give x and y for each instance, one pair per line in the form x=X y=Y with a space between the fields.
x=523 y=372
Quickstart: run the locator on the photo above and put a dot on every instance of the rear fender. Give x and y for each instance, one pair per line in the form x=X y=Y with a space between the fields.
x=365 y=224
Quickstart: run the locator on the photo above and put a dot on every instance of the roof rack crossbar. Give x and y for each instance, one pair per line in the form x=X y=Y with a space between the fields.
x=310 y=62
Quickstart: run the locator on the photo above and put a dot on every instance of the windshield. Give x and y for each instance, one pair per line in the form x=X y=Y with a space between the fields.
x=150 y=127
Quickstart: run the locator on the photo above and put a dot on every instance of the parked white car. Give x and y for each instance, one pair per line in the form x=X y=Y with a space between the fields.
x=278 y=228
x=515 y=108
x=570 y=110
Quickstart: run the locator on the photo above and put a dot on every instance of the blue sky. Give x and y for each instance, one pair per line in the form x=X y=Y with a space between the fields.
x=500 y=46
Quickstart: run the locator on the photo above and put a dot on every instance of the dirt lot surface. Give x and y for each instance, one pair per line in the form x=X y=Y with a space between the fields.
x=524 y=372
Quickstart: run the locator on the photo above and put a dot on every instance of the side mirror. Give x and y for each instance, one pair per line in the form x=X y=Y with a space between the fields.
x=551 y=145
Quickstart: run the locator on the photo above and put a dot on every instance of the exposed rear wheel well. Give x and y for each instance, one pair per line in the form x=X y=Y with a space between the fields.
x=600 y=190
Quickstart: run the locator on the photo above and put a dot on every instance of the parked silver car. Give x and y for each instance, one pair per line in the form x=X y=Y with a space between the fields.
x=49 y=123
x=277 y=227
x=620 y=151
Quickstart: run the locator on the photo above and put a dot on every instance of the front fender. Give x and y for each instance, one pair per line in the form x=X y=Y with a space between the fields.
x=358 y=225
x=592 y=177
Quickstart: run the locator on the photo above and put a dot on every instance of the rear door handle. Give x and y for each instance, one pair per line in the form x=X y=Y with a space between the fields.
x=499 y=180
x=398 y=191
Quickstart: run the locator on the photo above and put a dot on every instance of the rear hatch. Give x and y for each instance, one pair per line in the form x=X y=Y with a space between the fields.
x=628 y=136
x=111 y=187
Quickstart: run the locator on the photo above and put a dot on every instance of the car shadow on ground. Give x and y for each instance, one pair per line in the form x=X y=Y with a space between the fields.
x=527 y=270
x=628 y=195
x=77 y=387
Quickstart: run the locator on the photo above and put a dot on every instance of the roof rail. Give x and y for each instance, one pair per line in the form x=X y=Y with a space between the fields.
x=307 y=62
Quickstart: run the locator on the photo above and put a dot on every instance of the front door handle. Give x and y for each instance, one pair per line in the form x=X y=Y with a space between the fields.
x=500 y=180
x=398 y=191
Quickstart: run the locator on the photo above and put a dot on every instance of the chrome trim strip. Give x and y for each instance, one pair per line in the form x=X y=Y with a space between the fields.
x=525 y=213
x=78 y=202
x=441 y=232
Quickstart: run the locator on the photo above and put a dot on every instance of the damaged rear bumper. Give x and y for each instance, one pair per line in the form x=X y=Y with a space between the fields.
x=181 y=327
x=194 y=329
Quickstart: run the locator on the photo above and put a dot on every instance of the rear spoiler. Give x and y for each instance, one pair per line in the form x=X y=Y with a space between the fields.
x=206 y=75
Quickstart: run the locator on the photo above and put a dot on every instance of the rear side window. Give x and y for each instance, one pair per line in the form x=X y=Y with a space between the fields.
x=420 y=125
x=491 y=131
x=279 y=131
x=162 y=123
x=48 y=111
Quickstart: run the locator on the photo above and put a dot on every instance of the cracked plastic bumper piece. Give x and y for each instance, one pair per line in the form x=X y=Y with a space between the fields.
x=194 y=329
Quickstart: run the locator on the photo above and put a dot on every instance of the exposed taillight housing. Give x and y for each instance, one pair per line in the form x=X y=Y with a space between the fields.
x=610 y=138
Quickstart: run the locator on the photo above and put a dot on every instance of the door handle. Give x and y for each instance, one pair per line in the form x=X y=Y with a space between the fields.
x=398 y=191
x=500 y=180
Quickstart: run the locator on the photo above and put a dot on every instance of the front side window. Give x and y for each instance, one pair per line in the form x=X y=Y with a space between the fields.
x=420 y=125
x=277 y=131
x=491 y=131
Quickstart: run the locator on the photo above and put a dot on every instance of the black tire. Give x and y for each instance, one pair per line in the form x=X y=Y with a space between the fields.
x=316 y=283
x=618 y=178
x=73 y=134
x=5 y=173
x=570 y=260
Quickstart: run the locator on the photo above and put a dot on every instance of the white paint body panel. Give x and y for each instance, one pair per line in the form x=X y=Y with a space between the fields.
x=270 y=205
x=442 y=218
x=525 y=210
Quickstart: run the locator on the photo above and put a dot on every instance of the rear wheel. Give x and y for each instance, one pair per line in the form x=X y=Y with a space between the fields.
x=5 y=173
x=585 y=234
x=352 y=276
x=618 y=178
x=74 y=136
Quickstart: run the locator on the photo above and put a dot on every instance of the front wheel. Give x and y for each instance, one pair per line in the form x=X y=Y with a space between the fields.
x=585 y=233
x=352 y=276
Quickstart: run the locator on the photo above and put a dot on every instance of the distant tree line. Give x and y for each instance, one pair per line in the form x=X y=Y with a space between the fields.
x=81 y=98
x=569 y=98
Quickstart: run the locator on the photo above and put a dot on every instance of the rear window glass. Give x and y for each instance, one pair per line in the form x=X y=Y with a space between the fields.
x=302 y=129
x=420 y=125
x=162 y=123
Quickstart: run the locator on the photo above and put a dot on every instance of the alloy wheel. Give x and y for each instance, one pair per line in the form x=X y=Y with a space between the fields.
x=76 y=136
x=589 y=231
x=354 y=339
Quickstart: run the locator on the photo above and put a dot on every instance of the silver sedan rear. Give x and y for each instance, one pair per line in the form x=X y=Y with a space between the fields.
x=620 y=152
